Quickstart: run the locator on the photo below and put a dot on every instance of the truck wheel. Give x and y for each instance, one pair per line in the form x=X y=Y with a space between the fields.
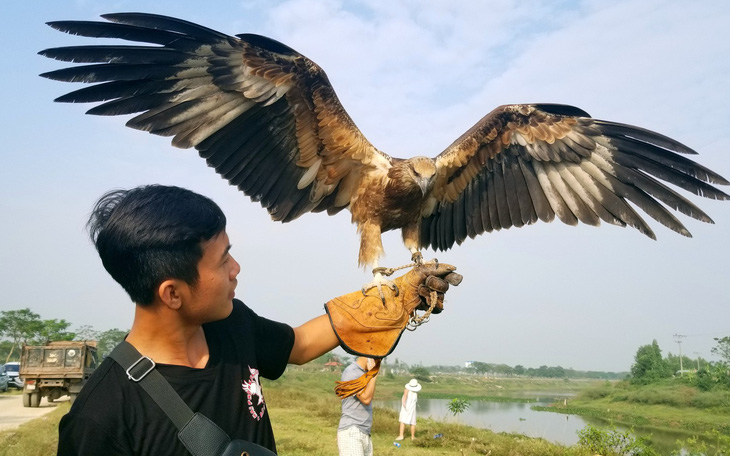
x=26 y=399
x=35 y=399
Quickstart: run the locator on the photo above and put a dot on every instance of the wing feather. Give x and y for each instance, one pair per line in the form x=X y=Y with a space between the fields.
x=481 y=191
x=525 y=163
x=266 y=118
x=263 y=116
x=539 y=201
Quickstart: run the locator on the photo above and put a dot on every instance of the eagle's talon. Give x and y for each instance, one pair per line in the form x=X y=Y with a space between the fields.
x=378 y=282
x=417 y=258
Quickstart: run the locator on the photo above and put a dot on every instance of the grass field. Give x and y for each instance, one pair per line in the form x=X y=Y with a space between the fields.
x=305 y=413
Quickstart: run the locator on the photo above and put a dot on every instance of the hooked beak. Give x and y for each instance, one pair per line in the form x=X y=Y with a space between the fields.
x=424 y=183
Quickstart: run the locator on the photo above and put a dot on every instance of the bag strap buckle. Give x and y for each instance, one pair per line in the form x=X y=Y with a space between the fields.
x=144 y=358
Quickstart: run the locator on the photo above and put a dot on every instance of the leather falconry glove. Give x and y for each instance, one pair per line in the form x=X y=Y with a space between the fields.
x=368 y=326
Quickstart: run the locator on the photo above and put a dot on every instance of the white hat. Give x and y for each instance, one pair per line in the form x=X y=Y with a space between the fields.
x=413 y=386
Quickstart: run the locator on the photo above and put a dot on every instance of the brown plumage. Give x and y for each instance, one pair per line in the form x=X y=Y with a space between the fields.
x=267 y=119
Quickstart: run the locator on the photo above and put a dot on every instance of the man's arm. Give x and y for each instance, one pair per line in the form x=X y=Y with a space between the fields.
x=366 y=395
x=312 y=340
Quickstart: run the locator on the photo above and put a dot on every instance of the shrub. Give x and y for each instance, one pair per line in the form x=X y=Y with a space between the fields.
x=610 y=442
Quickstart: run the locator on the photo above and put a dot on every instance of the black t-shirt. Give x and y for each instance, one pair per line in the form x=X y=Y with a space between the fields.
x=114 y=416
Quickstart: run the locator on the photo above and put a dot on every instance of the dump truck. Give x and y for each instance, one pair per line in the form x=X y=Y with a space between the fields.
x=55 y=370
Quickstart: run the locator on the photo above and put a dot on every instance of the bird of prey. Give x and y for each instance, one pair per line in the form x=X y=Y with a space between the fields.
x=267 y=119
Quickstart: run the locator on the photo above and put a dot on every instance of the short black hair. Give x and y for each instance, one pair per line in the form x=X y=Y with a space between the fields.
x=148 y=234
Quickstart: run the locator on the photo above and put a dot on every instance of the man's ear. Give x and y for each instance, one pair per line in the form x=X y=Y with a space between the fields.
x=170 y=294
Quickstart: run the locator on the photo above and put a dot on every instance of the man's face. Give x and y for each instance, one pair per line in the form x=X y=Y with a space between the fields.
x=212 y=299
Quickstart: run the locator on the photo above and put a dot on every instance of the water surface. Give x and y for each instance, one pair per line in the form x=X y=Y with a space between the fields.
x=519 y=418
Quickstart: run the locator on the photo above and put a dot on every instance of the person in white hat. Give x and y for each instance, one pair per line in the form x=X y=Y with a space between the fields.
x=408 y=408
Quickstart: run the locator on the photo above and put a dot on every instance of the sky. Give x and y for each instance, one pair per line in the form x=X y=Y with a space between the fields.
x=413 y=75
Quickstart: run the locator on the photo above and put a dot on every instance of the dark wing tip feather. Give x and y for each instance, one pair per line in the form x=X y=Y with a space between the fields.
x=562 y=110
x=642 y=134
x=167 y=23
x=662 y=152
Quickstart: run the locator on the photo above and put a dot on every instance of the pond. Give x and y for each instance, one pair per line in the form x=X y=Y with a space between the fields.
x=519 y=418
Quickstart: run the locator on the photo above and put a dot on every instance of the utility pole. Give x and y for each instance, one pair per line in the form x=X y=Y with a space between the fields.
x=698 y=361
x=679 y=342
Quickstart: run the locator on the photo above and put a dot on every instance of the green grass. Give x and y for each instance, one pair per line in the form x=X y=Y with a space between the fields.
x=305 y=423
x=305 y=412
x=38 y=437
x=663 y=405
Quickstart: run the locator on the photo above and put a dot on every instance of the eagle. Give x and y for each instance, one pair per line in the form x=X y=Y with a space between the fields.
x=267 y=119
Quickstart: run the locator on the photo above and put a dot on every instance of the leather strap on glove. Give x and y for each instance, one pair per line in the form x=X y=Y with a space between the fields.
x=369 y=326
x=352 y=387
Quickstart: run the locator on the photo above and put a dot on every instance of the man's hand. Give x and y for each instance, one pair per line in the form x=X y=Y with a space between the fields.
x=420 y=283
x=368 y=326
x=370 y=364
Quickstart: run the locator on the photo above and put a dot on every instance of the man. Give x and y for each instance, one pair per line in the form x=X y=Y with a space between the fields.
x=168 y=248
x=353 y=432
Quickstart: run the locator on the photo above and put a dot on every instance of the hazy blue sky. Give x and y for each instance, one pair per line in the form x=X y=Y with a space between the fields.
x=413 y=75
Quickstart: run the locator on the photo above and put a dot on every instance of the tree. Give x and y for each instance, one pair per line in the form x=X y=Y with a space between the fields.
x=5 y=351
x=480 y=367
x=86 y=332
x=458 y=406
x=109 y=339
x=53 y=330
x=722 y=349
x=20 y=326
x=421 y=373
x=673 y=364
x=649 y=365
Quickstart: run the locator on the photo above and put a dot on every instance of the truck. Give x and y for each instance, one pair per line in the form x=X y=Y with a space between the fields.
x=56 y=369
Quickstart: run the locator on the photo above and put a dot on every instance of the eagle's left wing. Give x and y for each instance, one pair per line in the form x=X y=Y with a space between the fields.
x=260 y=113
x=524 y=163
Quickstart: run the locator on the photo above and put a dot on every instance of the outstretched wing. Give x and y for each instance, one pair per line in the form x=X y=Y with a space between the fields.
x=263 y=115
x=524 y=163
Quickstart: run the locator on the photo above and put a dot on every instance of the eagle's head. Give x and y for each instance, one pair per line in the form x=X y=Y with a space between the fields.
x=423 y=171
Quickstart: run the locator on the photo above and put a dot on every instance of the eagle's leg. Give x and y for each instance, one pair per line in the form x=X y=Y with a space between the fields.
x=417 y=258
x=411 y=239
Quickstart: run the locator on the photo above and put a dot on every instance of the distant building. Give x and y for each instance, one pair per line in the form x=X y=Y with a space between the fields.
x=333 y=365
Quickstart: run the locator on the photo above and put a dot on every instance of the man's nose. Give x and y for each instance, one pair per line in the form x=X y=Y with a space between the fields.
x=236 y=268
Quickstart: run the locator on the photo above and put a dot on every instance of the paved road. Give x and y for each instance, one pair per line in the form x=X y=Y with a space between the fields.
x=13 y=414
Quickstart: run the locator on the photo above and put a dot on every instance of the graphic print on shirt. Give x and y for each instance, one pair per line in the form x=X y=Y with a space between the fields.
x=252 y=387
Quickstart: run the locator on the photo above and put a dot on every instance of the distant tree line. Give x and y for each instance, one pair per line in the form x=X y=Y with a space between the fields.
x=651 y=367
x=25 y=327
x=505 y=370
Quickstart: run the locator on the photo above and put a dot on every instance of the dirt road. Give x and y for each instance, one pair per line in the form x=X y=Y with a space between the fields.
x=13 y=414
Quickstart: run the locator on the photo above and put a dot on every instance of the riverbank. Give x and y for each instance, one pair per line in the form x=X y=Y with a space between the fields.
x=662 y=406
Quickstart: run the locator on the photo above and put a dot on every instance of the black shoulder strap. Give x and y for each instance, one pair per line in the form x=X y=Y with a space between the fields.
x=200 y=435
x=141 y=369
